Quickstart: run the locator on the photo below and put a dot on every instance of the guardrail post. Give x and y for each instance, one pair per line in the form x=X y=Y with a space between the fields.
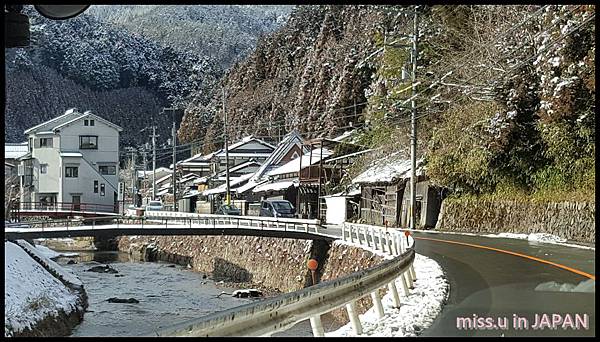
x=356 y=326
x=377 y=303
x=343 y=231
x=404 y=284
x=358 y=235
x=394 y=245
x=388 y=242
x=372 y=233
x=380 y=239
x=350 y=233
x=306 y=227
x=317 y=326
x=394 y=292
x=409 y=279
x=412 y=272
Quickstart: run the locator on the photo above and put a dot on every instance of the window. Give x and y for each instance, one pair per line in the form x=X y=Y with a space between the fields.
x=95 y=186
x=43 y=168
x=102 y=189
x=45 y=142
x=91 y=122
x=71 y=171
x=88 y=142
x=85 y=122
x=108 y=170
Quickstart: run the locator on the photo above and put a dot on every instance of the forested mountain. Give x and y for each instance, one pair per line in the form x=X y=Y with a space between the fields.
x=120 y=75
x=505 y=95
x=223 y=33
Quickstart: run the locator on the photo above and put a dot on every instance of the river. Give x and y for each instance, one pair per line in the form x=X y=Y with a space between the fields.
x=168 y=294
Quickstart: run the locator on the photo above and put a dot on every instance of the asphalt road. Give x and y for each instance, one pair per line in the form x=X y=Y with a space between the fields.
x=494 y=284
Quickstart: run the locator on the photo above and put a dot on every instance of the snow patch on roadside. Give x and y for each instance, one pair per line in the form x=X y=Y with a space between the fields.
x=416 y=312
x=30 y=292
x=538 y=237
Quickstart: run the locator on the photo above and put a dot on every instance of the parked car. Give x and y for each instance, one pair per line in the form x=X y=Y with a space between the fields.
x=277 y=208
x=228 y=210
x=154 y=205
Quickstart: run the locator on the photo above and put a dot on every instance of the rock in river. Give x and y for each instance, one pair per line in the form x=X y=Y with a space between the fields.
x=102 y=269
x=122 y=300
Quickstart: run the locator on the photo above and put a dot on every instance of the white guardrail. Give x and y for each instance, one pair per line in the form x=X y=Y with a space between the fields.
x=271 y=315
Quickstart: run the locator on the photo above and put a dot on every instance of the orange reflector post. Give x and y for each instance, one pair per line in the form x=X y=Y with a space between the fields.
x=312 y=264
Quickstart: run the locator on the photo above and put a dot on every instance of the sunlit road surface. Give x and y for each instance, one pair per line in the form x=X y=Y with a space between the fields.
x=507 y=288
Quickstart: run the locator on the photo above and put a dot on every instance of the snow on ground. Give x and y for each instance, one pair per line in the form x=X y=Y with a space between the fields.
x=66 y=274
x=49 y=253
x=538 y=237
x=30 y=292
x=416 y=312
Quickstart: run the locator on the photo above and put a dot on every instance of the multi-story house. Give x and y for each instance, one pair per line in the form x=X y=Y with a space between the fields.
x=73 y=161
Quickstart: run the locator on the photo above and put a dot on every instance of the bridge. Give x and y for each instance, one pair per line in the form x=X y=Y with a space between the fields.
x=272 y=315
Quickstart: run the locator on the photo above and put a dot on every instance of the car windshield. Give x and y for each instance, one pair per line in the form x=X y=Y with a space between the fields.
x=282 y=205
x=155 y=204
x=229 y=207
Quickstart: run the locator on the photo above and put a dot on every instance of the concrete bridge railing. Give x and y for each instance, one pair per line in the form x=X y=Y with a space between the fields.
x=267 y=317
x=237 y=221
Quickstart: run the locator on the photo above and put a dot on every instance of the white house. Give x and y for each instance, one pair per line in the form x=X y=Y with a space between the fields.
x=73 y=159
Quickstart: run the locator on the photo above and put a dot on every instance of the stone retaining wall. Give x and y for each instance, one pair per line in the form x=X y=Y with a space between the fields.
x=272 y=263
x=570 y=220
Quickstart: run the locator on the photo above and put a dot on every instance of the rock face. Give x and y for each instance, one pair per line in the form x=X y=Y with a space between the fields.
x=570 y=220
x=304 y=74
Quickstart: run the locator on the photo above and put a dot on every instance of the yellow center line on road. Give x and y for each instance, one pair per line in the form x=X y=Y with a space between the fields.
x=591 y=276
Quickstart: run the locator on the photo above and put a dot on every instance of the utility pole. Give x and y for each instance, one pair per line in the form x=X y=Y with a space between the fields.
x=413 y=122
x=227 y=194
x=154 y=161
x=133 y=176
x=144 y=152
x=174 y=133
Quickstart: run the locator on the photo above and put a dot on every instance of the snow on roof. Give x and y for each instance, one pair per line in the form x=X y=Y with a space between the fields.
x=223 y=187
x=276 y=186
x=250 y=185
x=247 y=139
x=349 y=155
x=91 y=115
x=71 y=154
x=199 y=155
x=294 y=165
x=343 y=136
x=388 y=170
x=201 y=180
x=163 y=178
x=70 y=113
x=245 y=154
x=14 y=151
x=162 y=192
x=192 y=194
x=287 y=143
